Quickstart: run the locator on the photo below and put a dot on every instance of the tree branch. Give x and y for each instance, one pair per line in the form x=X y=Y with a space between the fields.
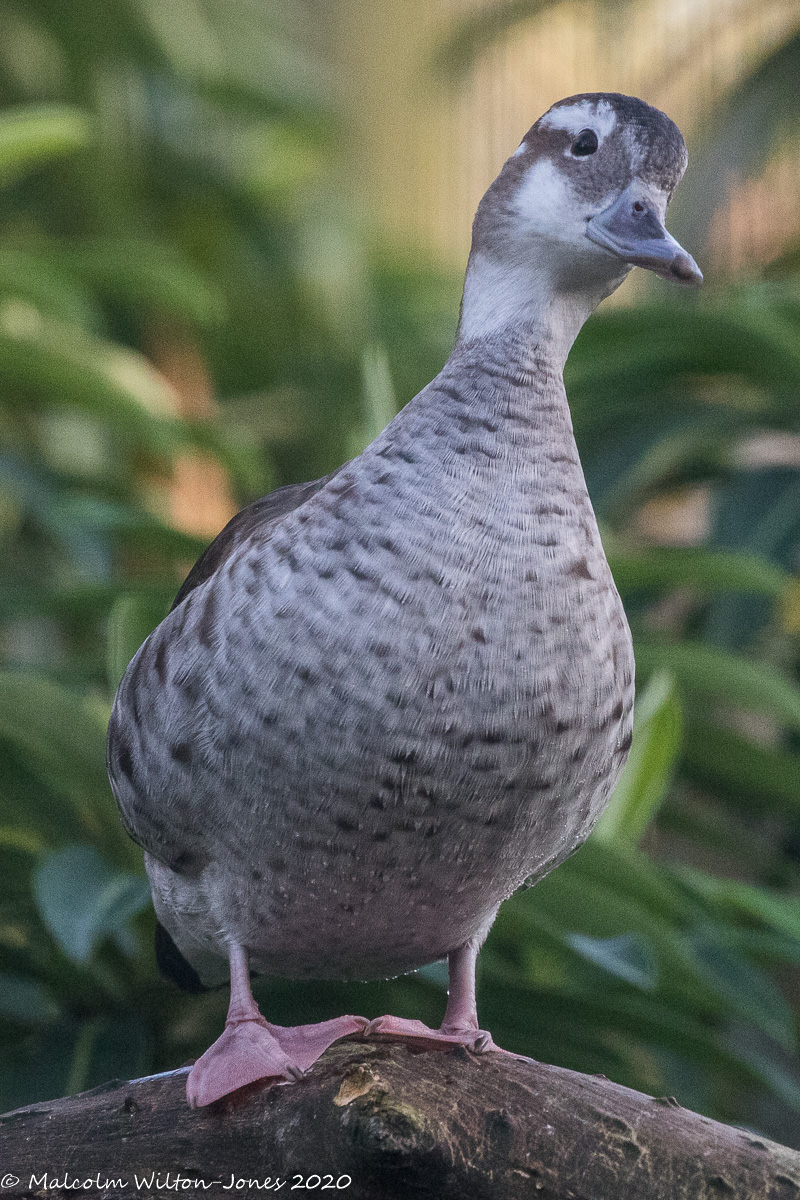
x=399 y=1123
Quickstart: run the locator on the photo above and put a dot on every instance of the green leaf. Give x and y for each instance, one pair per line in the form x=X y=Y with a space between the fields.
x=67 y=365
x=20 y=839
x=132 y=618
x=748 y=990
x=146 y=275
x=25 y=1000
x=743 y=899
x=82 y=901
x=628 y=956
x=133 y=526
x=644 y=781
x=706 y=570
x=379 y=404
x=36 y=134
x=756 y=778
x=33 y=275
x=61 y=741
x=736 y=680
x=72 y=1055
x=627 y=874
x=626 y=354
x=781 y=1081
x=572 y=901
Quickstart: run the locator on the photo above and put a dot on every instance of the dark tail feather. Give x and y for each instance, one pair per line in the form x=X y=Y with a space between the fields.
x=173 y=965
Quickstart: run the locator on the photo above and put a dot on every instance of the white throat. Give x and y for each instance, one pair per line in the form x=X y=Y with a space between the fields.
x=500 y=297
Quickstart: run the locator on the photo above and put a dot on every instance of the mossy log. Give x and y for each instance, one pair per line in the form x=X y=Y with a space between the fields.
x=380 y=1121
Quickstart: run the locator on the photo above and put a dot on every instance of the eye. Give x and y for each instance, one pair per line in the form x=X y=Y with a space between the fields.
x=585 y=143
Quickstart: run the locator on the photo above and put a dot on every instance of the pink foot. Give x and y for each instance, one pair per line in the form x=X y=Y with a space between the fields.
x=251 y=1049
x=245 y=1051
x=254 y=1049
x=304 y=1044
x=460 y=1024
x=416 y=1032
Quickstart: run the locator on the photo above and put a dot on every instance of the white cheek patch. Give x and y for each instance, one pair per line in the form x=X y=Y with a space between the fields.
x=586 y=114
x=545 y=201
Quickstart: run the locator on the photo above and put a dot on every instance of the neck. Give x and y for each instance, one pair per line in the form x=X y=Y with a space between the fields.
x=503 y=302
x=489 y=444
x=497 y=410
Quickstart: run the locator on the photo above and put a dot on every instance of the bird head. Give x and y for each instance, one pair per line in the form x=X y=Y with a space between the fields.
x=581 y=202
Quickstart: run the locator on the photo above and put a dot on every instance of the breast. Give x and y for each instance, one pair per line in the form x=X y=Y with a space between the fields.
x=390 y=741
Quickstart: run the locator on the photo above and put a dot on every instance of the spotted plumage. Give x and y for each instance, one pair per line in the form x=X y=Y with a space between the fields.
x=386 y=699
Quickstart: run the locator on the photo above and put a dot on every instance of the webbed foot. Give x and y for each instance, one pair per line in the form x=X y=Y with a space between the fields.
x=244 y=1052
x=420 y=1034
x=304 y=1044
x=250 y=1048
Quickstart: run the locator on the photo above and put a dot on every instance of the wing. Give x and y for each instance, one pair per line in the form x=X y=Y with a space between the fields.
x=260 y=513
x=140 y=809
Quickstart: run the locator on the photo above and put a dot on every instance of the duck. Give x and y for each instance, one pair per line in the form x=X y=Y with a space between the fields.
x=386 y=699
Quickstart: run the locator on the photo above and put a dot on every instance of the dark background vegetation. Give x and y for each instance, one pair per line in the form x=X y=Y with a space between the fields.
x=181 y=331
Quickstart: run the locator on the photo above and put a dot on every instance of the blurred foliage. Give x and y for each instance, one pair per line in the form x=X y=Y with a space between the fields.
x=757 y=118
x=736 y=138
x=168 y=186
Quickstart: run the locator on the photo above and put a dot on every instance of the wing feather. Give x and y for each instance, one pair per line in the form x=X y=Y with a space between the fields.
x=257 y=515
x=145 y=815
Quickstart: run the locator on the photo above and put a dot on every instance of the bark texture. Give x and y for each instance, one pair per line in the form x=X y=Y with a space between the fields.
x=399 y=1124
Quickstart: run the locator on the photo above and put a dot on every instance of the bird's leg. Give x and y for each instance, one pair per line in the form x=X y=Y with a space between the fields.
x=460 y=1024
x=250 y=1048
x=245 y=1051
x=461 y=1014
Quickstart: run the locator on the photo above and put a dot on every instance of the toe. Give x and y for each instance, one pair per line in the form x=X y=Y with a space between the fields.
x=389 y=1026
x=477 y=1040
x=245 y=1053
x=305 y=1043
